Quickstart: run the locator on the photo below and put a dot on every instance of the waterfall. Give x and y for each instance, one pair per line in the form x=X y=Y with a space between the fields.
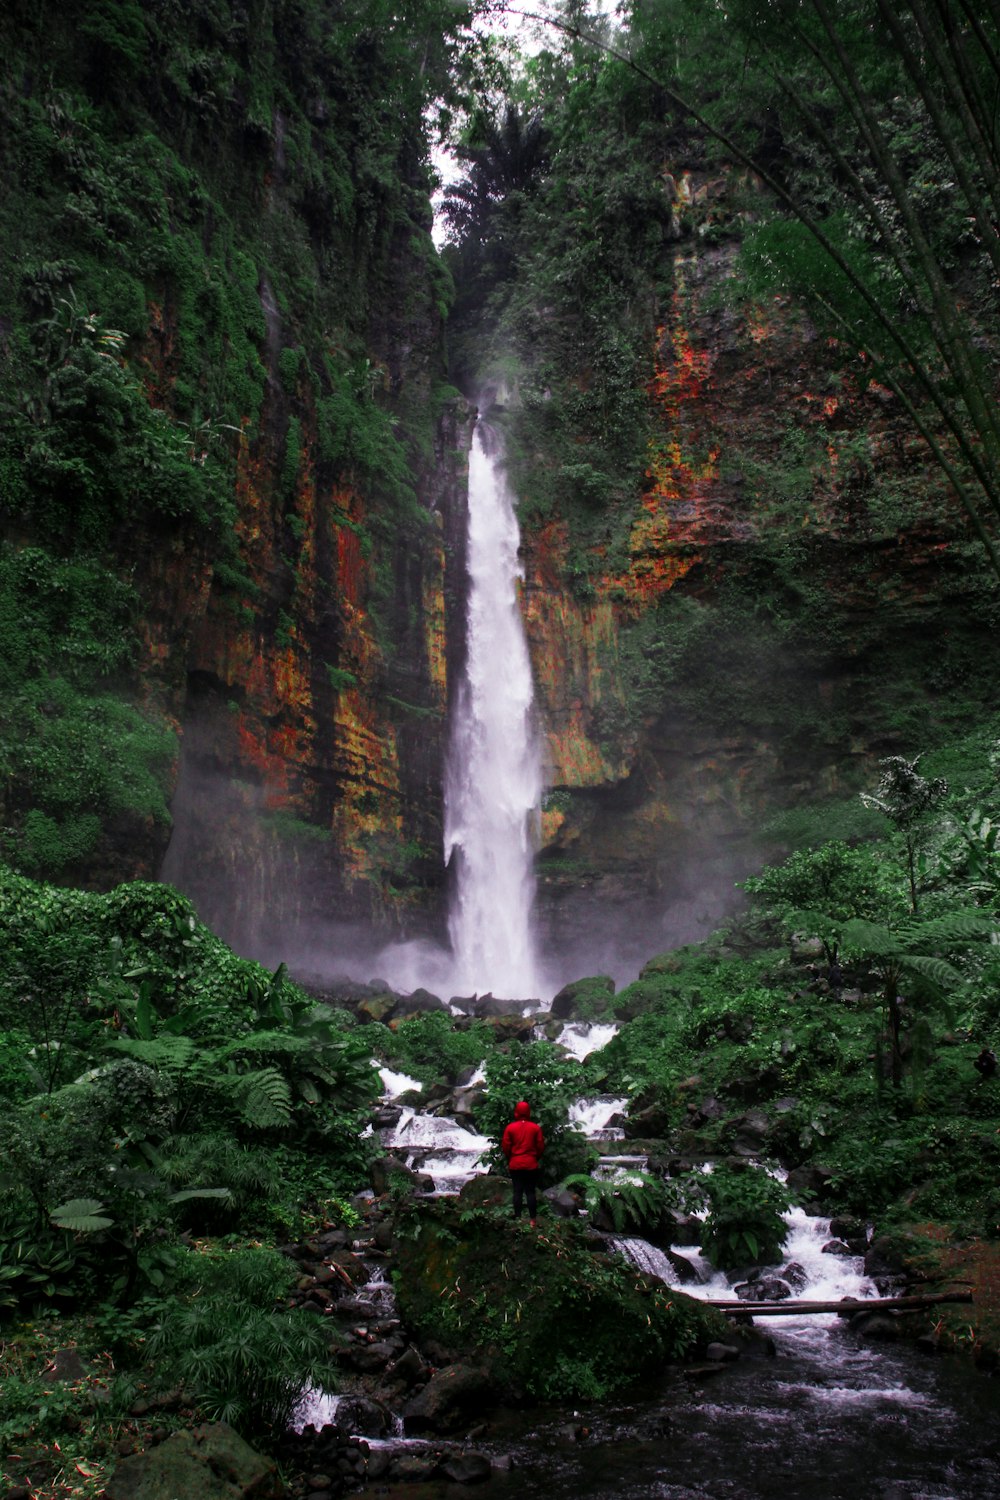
x=493 y=778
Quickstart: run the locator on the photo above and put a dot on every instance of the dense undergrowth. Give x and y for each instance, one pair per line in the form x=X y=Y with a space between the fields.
x=173 y=1112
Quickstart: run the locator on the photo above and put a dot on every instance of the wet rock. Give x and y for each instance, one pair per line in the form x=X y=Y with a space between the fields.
x=363 y=1416
x=389 y=1171
x=749 y=1132
x=488 y=1007
x=410 y=1368
x=387 y=1116
x=764 y=1289
x=684 y=1273
x=379 y=1463
x=368 y=1359
x=486 y=1190
x=449 y=1399
x=885 y=1258
x=412 y=1467
x=674 y=1228
x=876 y=1325
x=724 y=1353
x=653 y=1122
x=844 y=1227
x=467 y=1468
x=377 y=1007
x=564 y=1204
x=514 y=1028
x=463 y=1103
x=809 y=1182
x=211 y=1461
x=420 y=1001
x=836 y=1247
x=796 y=1276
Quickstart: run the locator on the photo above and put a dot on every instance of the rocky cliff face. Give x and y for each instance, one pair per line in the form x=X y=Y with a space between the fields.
x=223 y=364
x=232 y=496
x=794 y=596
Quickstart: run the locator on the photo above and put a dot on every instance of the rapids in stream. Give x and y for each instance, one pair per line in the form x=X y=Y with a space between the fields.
x=814 y=1412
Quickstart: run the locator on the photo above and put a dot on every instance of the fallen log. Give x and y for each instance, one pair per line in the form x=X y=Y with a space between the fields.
x=845 y=1307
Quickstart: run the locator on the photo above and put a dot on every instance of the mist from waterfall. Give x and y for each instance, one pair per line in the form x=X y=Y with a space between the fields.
x=493 y=782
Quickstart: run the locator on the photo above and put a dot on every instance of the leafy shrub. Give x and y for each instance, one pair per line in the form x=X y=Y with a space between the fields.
x=744 y=1222
x=241 y=1356
x=431 y=1046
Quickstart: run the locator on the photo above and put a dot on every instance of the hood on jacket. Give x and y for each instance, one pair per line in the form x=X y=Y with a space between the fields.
x=522 y=1110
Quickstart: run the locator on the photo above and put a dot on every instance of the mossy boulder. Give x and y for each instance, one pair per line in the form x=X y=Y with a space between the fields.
x=585 y=999
x=211 y=1461
x=538 y=1310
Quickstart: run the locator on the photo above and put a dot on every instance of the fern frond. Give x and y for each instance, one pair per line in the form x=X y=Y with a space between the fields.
x=171 y=1053
x=870 y=938
x=935 y=972
x=263 y=1097
x=950 y=928
x=264 y=1041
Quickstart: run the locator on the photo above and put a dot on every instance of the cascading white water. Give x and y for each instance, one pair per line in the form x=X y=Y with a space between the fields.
x=493 y=783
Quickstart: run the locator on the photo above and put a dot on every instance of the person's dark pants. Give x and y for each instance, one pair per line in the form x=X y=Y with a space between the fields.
x=523 y=1182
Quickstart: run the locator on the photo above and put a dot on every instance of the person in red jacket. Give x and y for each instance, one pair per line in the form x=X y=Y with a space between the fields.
x=522 y=1145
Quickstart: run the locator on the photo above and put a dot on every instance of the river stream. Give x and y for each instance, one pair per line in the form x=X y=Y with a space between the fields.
x=813 y=1411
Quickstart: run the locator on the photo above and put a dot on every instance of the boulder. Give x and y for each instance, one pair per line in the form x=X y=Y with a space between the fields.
x=749 y=1132
x=513 y=1028
x=584 y=999
x=486 y=1190
x=563 y=1203
x=488 y=1007
x=411 y=1468
x=836 y=1247
x=806 y=1183
x=651 y=1123
x=683 y=1271
x=449 y=1400
x=467 y=1468
x=389 y=1171
x=211 y=1461
x=876 y=1325
x=362 y=1416
x=727 y=1353
x=796 y=1276
x=764 y=1289
x=377 y=1007
x=409 y=1368
x=844 y=1227
x=419 y=1002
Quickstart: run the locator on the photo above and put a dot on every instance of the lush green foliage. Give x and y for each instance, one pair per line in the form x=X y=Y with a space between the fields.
x=432 y=1047
x=225 y=1337
x=156 y=1082
x=744 y=1222
x=560 y=1323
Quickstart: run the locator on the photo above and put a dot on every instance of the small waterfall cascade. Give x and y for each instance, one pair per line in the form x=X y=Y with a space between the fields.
x=493 y=782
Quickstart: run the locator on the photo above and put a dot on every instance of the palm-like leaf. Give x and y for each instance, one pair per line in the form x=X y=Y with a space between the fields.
x=81 y=1215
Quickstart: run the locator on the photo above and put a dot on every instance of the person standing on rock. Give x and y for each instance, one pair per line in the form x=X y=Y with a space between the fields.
x=523 y=1144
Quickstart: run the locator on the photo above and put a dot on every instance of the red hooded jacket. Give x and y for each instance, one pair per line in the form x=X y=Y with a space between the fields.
x=523 y=1141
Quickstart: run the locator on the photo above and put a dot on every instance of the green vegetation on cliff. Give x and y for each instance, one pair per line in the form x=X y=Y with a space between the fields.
x=220 y=284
